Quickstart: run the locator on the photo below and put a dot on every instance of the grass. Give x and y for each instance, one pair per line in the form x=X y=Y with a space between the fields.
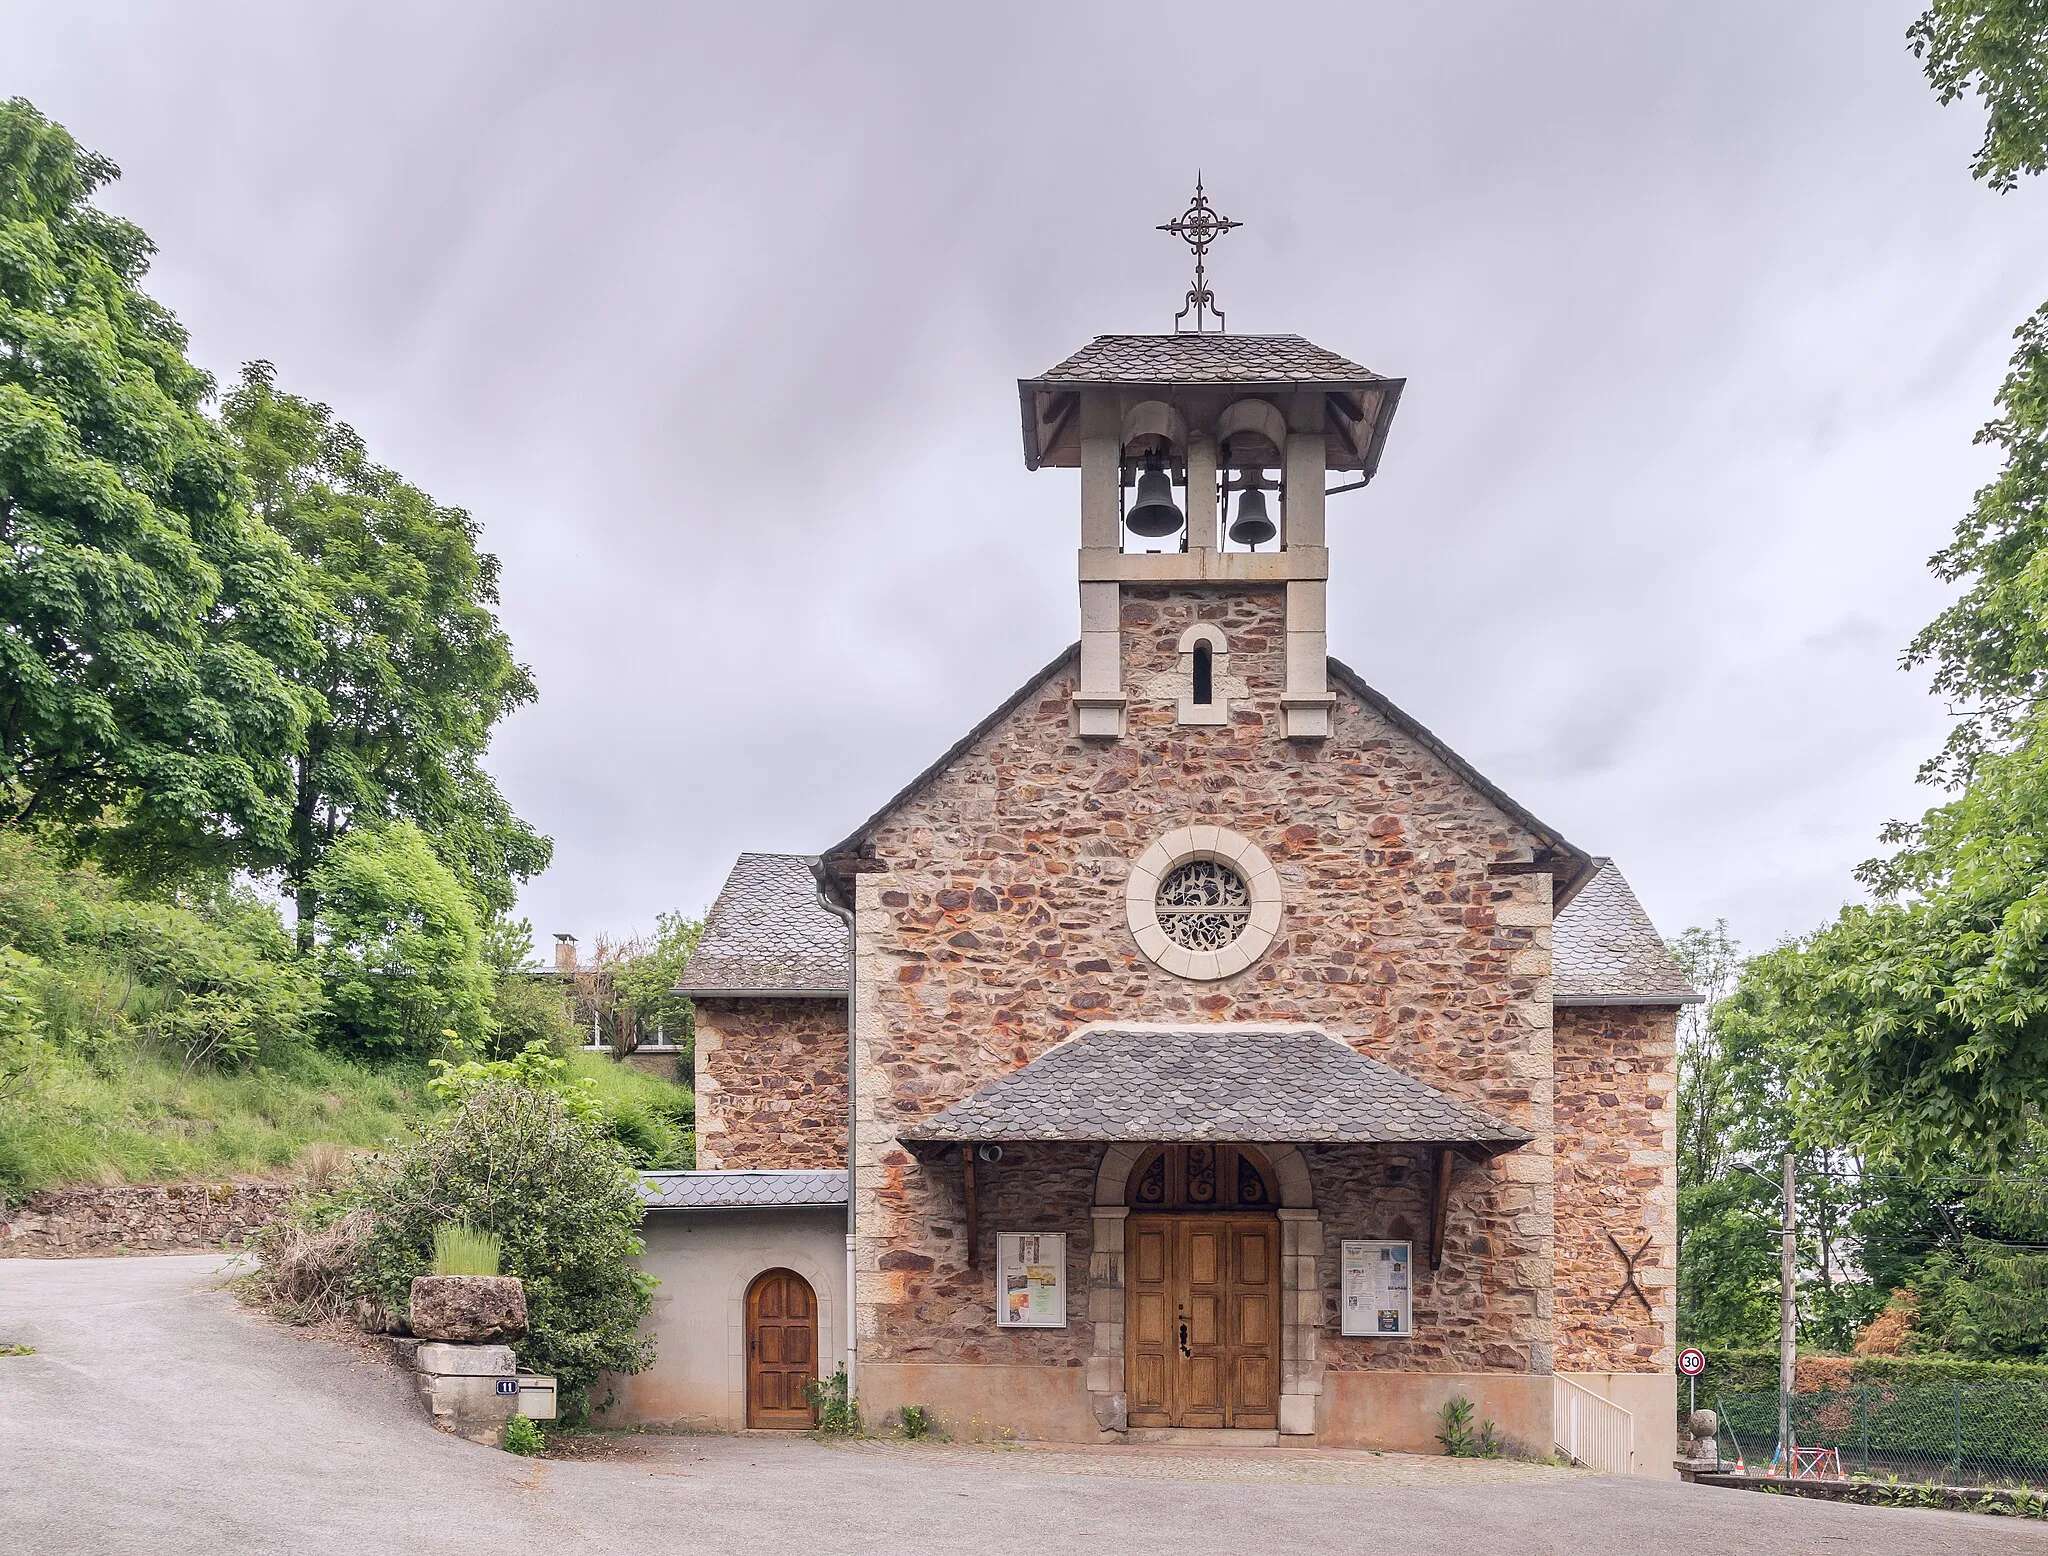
x=651 y=1117
x=463 y=1250
x=141 y=1120
x=138 y=1119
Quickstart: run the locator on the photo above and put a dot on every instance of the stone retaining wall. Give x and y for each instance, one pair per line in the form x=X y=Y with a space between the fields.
x=137 y=1218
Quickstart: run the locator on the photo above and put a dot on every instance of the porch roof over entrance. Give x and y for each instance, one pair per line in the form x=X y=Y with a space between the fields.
x=1224 y=1082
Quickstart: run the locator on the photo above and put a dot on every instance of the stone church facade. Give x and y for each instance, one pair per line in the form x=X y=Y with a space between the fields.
x=1225 y=1052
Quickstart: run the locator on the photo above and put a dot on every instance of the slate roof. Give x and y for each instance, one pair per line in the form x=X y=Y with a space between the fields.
x=1214 y=358
x=766 y=935
x=741 y=1190
x=1226 y=1082
x=1605 y=951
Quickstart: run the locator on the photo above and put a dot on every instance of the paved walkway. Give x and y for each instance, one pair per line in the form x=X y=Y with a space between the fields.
x=158 y=1417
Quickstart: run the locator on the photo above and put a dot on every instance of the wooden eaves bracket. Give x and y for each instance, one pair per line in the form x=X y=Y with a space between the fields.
x=1440 y=1209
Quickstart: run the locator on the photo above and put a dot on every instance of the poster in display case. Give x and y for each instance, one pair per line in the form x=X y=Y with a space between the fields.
x=1031 y=1280
x=1378 y=1289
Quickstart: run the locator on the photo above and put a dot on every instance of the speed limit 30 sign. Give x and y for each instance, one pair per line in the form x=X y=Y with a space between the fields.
x=1692 y=1362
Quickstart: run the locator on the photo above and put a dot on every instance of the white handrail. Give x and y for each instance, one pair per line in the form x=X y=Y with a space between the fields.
x=1593 y=1431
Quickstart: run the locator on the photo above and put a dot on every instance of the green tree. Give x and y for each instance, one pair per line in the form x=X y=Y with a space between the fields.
x=1998 y=50
x=150 y=620
x=414 y=671
x=644 y=983
x=1989 y=649
x=1921 y=1022
x=400 y=952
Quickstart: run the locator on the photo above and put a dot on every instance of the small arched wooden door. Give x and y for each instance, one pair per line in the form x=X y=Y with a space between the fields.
x=782 y=1350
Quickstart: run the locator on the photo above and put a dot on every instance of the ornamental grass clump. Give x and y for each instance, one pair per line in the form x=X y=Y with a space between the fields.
x=463 y=1250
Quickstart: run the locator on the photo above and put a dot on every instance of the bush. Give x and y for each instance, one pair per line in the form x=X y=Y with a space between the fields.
x=206 y=975
x=920 y=1422
x=524 y=1436
x=1454 y=1430
x=838 y=1411
x=401 y=953
x=532 y=1164
x=1738 y=1372
x=527 y=1010
x=306 y=1259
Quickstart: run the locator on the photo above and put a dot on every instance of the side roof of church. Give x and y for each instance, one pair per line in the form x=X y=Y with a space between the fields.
x=769 y=935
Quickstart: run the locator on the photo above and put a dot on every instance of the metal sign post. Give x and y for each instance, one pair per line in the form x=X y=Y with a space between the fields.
x=1692 y=1362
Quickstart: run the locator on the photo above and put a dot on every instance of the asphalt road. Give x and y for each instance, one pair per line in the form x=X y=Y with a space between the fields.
x=156 y=1416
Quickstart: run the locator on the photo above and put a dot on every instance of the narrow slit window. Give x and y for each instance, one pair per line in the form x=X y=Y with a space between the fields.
x=1204 y=675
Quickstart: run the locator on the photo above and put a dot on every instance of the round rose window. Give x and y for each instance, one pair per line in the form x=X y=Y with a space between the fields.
x=1203 y=902
x=1203 y=905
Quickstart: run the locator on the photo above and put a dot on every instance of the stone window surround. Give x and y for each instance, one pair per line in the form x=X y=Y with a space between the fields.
x=1217 y=709
x=1184 y=845
x=1301 y=1293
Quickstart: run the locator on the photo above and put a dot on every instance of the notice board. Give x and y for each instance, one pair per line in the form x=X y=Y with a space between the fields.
x=1378 y=1288
x=1031 y=1280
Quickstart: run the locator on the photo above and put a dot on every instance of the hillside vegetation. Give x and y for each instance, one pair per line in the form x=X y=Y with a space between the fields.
x=183 y=1035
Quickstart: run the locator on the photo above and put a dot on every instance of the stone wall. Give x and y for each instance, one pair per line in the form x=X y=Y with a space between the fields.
x=771 y=1083
x=995 y=926
x=137 y=1218
x=1617 y=1181
x=1459 y=1310
x=948 y=1311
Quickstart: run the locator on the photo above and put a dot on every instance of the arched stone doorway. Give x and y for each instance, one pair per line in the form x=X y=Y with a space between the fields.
x=782 y=1351
x=1199 y=1218
x=1202 y=1289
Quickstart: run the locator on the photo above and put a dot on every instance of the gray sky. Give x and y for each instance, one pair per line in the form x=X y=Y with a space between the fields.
x=713 y=316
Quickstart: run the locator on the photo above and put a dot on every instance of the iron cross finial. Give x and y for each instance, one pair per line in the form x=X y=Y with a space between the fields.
x=1199 y=226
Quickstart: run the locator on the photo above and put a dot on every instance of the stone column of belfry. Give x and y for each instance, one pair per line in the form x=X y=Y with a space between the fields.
x=1099 y=705
x=1307 y=699
x=1202 y=531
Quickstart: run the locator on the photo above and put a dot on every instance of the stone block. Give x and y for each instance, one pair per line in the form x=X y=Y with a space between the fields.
x=467 y=1308
x=1297 y=1415
x=1112 y=1412
x=445 y=1360
x=466 y=1406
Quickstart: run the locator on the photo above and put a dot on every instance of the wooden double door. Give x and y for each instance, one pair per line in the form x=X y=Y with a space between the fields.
x=782 y=1350
x=1202 y=1320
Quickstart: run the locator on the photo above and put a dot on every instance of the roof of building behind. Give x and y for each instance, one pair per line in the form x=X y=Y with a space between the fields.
x=1221 y=1082
x=767 y=935
x=742 y=1190
x=1210 y=358
x=1605 y=951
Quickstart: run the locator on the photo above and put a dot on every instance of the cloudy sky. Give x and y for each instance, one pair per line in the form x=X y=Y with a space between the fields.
x=713 y=316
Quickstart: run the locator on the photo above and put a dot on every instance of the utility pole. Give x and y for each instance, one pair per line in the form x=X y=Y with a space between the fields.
x=1788 y=1321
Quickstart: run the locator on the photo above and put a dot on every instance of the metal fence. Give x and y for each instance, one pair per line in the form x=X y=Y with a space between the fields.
x=1987 y=1433
x=1592 y=1431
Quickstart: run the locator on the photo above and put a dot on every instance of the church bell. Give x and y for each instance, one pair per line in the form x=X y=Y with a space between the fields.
x=1153 y=513
x=1251 y=527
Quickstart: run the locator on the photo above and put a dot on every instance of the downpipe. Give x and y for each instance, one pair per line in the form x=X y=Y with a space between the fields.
x=845 y=916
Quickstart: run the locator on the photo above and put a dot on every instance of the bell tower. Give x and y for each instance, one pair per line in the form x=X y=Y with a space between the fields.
x=1205 y=459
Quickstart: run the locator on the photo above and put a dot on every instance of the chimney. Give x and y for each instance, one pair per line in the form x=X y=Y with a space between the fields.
x=565 y=953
